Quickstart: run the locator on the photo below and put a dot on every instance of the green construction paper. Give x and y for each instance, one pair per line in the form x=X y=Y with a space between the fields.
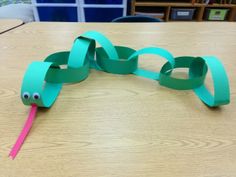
x=33 y=82
x=147 y=74
x=67 y=75
x=104 y=42
x=155 y=51
x=121 y=66
x=82 y=51
x=220 y=81
x=197 y=70
x=46 y=78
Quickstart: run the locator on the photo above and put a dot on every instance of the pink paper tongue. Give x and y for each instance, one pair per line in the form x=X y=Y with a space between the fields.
x=24 y=132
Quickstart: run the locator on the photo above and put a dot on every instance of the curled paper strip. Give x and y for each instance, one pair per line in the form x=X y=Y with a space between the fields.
x=43 y=80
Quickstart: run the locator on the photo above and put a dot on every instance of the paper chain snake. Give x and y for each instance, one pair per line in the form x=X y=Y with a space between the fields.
x=43 y=80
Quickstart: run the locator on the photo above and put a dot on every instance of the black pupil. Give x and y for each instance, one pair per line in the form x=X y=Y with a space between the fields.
x=26 y=96
x=36 y=97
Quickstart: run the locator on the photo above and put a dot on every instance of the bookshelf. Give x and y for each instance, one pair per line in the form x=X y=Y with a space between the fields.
x=163 y=8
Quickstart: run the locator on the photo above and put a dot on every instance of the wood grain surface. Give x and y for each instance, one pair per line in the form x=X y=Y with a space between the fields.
x=8 y=24
x=119 y=126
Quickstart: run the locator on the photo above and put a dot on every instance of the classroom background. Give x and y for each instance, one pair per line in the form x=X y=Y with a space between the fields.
x=113 y=10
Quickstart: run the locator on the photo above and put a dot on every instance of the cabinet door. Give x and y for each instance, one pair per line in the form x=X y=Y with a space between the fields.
x=64 y=14
x=102 y=14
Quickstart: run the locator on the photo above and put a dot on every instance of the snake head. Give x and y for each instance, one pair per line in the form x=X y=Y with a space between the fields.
x=35 y=89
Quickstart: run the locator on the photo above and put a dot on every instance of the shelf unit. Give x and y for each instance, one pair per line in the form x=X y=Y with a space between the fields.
x=164 y=6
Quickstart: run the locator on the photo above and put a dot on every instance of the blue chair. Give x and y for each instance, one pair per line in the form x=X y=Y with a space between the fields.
x=136 y=18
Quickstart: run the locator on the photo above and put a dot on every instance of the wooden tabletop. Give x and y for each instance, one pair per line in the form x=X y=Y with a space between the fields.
x=113 y=125
x=8 y=24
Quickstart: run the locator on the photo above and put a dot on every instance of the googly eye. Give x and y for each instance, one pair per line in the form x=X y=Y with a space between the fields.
x=36 y=96
x=26 y=95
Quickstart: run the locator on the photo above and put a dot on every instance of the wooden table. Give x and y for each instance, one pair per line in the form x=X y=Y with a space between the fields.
x=113 y=125
x=8 y=24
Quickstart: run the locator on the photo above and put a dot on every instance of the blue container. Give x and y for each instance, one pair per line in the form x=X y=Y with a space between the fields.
x=102 y=14
x=55 y=1
x=103 y=1
x=63 y=14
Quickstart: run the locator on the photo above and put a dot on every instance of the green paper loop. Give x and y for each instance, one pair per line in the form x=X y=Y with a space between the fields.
x=81 y=52
x=197 y=70
x=155 y=51
x=67 y=75
x=220 y=81
x=121 y=66
x=104 y=42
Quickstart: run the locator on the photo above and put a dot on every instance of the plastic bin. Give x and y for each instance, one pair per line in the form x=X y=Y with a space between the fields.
x=182 y=14
x=65 y=14
x=216 y=14
x=102 y=14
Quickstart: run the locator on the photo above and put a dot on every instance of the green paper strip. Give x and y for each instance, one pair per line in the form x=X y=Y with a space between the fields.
x=81 y=51
x=220 y=82
x=155 y=51
x=67 y=75
x=121 y=66
x=197 y=70
x=104 y=42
